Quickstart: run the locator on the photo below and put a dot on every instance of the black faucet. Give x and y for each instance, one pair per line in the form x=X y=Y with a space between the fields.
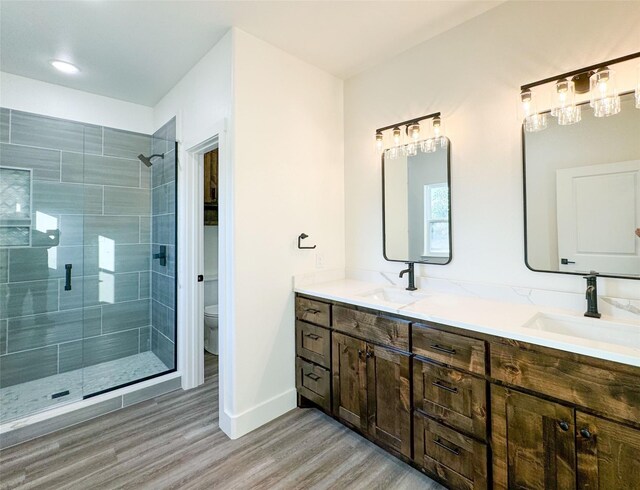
x=412 y=277
x=592 y=295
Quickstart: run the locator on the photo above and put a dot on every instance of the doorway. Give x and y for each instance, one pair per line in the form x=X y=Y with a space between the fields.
x=191 y=358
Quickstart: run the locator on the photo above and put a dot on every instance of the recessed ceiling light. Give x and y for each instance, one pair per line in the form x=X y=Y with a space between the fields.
x=64 y=66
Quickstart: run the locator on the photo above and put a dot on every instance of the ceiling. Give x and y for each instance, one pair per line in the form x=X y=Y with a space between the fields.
x=137 y=50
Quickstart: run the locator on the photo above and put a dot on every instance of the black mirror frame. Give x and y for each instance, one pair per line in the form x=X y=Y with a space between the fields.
x=524 y=199
x=384 y=228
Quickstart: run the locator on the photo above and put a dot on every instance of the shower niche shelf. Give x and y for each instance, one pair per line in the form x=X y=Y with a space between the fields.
x=15 y=207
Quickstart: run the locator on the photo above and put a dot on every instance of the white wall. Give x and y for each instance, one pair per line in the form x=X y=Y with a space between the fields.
x=288 y=179
x=202 y=102
x=203 y=97
x=472 y=74
x=26 y=94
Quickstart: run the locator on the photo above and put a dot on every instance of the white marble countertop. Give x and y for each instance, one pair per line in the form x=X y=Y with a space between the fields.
x=491 y=317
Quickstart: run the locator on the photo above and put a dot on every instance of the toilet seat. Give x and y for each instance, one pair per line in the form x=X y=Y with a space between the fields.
x=211 y=310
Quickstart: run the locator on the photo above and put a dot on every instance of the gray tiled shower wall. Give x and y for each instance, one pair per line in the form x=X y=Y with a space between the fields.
x=163 y=180
x=89 y=185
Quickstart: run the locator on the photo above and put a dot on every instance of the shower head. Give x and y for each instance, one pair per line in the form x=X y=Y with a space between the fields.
x=147 y=160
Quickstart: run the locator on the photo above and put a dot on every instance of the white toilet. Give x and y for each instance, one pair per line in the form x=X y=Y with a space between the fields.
x=211 y=314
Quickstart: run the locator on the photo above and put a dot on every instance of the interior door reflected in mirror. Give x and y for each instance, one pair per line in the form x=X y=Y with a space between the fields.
x=416 y=207
x=582 y=195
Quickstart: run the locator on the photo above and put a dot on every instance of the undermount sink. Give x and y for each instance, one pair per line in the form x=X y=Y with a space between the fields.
x=395 y=295
x=593 y=329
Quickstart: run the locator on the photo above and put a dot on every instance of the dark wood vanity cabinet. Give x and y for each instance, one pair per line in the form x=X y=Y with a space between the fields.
x=533 y=442
x=608 y=454
x=349 y=376
x=539 y=444
x=470 y=410
x=371 y=391
x=389 y=398
x=451 y=396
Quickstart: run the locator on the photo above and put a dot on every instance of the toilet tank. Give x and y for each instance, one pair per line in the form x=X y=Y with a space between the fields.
x=211 y=290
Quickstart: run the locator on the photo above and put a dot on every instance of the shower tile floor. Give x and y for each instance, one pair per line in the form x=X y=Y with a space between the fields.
x=24 y=399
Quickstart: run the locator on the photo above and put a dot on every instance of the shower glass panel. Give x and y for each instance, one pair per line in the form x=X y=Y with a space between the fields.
x=84 y=306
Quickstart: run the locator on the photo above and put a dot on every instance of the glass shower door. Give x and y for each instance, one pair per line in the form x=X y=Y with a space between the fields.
x=42 y=321
x=126 y=273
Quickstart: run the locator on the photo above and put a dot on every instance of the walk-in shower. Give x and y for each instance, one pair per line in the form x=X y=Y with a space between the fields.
x=87 y=260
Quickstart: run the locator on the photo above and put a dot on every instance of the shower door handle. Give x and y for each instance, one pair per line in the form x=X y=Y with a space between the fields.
x=67 y=282
x=162 y=256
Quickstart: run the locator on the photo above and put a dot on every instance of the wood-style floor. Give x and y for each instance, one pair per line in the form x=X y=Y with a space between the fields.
x=173 y=441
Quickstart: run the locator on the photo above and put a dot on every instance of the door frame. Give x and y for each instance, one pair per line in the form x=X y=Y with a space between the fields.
x=190 y=291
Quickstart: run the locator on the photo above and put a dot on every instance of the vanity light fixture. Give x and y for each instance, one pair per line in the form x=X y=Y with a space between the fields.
x=64 y=67
x=413 y=129
x=597 y=80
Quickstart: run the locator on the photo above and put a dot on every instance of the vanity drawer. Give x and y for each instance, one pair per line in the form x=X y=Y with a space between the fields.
x=313 y=311
x=456 y=459
x=313 y=382
x=457 y=398
x=374 y=328
x=313 y=343
x=449 y=348
x=609 y=388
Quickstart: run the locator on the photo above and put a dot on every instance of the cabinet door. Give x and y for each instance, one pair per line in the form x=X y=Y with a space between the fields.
x=533 y=442
x=349 y=380
x=388 y=398
x=608 y=454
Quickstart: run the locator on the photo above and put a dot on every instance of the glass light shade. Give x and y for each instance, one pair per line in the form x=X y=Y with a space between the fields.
x=391 y=153
x=532 y=121
x=379 y=141
x=569 y=115
x=604 y=93
x=413 y=130
x=411 y=149
x=428 y=146
x=564 y=99
x=527 y=103
x=437 y=127
x=535 y=122
x=397 y=136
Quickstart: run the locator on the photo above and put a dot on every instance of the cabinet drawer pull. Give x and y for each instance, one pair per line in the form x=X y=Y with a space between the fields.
x=564 y=425
x=312 y=336
x=438 y=384
x=585 y=433
x=443 y=349
x=313 y=311
x=312 y=376
x=452 y=450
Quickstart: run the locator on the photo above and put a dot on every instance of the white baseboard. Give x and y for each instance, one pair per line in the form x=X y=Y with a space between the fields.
x=238 y=425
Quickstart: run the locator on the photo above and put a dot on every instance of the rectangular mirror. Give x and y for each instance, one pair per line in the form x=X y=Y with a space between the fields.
x=416 y=207
x=582 y=194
